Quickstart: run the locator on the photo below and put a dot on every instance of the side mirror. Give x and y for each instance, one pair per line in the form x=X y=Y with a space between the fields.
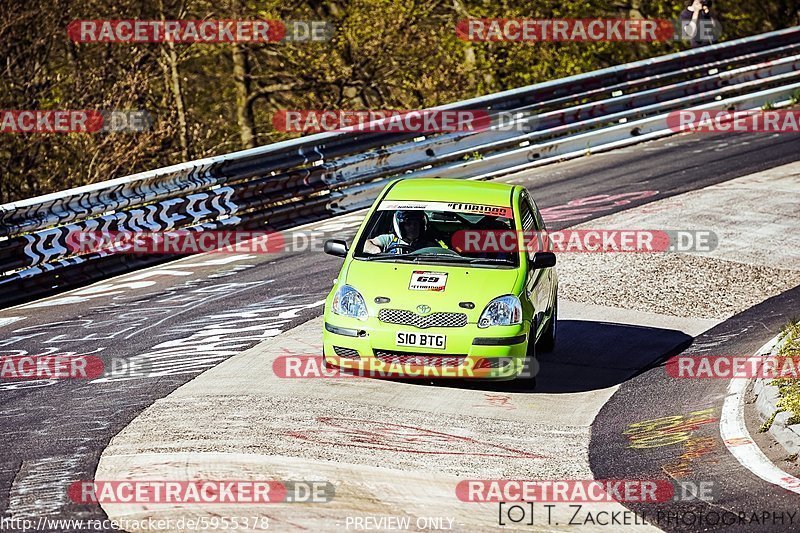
x=543 y=260
x=336 y=247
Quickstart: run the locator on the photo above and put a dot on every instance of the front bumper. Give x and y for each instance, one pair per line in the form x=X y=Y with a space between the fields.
x=497 y=352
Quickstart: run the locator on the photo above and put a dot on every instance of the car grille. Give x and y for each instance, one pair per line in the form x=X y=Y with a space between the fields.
x=419 y=359
x=434 y=320
x=492 y=362
x=346 y=352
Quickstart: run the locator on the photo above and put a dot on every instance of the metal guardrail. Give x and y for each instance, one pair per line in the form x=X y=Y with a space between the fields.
x=311 y=177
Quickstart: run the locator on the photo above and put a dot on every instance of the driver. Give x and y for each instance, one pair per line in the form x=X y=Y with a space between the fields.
x=410 y=228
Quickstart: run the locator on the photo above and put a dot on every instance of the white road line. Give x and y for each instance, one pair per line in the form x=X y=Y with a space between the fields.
x=335 y=223
x=6 y=320
x=737 y=439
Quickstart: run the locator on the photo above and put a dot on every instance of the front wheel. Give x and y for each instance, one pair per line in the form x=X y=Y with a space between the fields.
x=325 y=362
x=530 y=367
x=547 y=342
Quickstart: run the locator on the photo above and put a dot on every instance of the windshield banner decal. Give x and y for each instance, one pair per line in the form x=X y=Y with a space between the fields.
x=478 y=209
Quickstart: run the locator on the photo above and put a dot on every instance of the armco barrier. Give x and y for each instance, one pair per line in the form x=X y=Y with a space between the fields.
x=282 y=184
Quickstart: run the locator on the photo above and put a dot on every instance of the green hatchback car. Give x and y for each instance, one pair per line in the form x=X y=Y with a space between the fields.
x=412 y=300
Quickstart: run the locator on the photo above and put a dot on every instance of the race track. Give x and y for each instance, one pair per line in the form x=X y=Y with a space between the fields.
x=207 y=329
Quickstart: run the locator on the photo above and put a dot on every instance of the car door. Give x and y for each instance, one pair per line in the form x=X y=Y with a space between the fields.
x=538 y=281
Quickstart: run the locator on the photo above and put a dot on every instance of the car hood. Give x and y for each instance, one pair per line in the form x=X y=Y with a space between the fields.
x=463 y=284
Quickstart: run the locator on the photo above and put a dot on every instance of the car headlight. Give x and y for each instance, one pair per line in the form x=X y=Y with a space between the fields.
x=502 y=311
x=348 y=302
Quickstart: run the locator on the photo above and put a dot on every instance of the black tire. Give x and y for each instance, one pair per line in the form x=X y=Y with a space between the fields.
x=325 y=362
x=547 y=343
x=531 y=368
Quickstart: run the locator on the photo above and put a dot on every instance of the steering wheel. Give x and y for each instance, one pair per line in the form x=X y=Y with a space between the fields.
x=398 y=246
x=436 y=250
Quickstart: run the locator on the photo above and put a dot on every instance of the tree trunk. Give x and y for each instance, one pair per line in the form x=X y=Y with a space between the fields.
x=244 y=104
x=177 y=94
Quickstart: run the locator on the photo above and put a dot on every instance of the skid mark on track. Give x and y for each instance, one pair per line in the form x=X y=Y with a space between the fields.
x=213 y=338
x=90 y=413
x=583 y=208
x=402 y=438
x=502 y=401
x=40 y=487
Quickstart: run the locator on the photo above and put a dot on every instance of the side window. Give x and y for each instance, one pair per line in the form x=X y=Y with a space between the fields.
x=528 y=221
x=526 y=215
x=539 y=221
x=532 y=221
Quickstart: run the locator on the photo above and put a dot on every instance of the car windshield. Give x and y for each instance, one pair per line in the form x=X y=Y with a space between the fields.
x=432 y=232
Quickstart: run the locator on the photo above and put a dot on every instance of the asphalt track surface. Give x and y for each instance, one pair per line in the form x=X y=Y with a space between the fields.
x=54 y=431
x=655 y=395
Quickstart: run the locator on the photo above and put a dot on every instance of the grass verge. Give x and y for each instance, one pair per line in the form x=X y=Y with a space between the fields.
x=789 y=388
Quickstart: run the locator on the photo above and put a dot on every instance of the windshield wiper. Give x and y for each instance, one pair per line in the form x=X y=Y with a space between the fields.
x=439 y=257
x=445 y=258
x=492 y=260
x=378 y=257
x=415 y=257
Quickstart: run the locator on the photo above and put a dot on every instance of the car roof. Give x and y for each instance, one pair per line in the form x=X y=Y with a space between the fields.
x=452 y=190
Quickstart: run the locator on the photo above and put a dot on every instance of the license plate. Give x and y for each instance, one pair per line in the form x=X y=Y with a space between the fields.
x=420 y=340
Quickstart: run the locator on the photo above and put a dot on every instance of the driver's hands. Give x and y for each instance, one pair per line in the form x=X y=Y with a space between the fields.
x=371 y=248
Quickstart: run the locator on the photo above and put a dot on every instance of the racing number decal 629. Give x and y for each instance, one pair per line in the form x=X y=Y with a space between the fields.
x=427 y=281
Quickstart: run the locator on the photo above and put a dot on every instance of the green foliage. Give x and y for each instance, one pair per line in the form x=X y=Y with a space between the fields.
x=385 y=54
x=788 y=388
x=768 y=424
